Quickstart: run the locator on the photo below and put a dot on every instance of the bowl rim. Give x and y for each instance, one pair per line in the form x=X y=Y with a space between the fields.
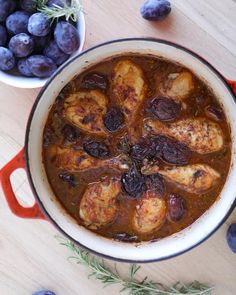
x=157 y=40
x=35 y=82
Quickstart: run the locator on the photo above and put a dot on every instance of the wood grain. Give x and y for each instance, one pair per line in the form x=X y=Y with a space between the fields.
x=31 y=257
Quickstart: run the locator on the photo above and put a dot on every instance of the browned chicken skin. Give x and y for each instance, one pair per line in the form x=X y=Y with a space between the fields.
x=149 y=213
x=176 y=85
x=86 y=109
x=195 y=178
x=199 y=134
x=128 y=86
x=98 y=205
x=78 y=160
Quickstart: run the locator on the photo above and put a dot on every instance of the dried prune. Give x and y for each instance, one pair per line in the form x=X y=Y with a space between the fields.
x=124 y=237
x=94 y=81
x=231 y=237
x=159 y=142
x=70 y=133
x=67 y=177
x=214 y=112
x=177 y=207
x=176 y=153
x=165 y=109
x=113 y=119
x=133 y=182
x=97 y=149
x=143 y=149
x=171 y=151
x=155 y=182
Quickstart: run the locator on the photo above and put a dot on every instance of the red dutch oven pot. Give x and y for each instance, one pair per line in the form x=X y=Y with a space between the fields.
x=48 y=208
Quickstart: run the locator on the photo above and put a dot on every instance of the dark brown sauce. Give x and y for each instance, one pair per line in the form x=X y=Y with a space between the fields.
x=70 y=195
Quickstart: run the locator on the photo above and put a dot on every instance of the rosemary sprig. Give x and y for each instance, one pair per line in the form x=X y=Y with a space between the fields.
x=134 y=287
x=68 y=11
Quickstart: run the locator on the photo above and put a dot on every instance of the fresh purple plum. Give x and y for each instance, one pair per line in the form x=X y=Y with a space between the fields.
x=17 y=22
x=21 y=45
x=52 y=3
x=3 y=36
x=44 y=292
x=23 y=67
x=40 y=43
x=39 y=24
x=155 y=9
x=231 y=237
x=28 y=5
x=7 y=59
x=66 y=37
x=41 y=66
x=6 y=8
x=54 y=52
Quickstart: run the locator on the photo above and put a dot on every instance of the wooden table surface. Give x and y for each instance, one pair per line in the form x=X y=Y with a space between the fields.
x=30 y=256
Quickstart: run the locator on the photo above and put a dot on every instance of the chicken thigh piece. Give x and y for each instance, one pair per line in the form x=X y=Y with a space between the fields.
x=78 y=160
x=195 y=178
x=86 y=109
x=128 y=86
x=199 y=134
x=176 y=85
x=98 y=205
x=149 y=213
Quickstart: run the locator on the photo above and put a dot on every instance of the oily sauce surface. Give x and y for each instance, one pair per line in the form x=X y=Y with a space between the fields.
x=70 y=187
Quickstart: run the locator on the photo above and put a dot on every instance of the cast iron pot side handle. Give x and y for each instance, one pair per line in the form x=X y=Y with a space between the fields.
x=232 y=84
x=25 y=212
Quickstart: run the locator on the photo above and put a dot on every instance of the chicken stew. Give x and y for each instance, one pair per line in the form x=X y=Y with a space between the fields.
x=136 y=148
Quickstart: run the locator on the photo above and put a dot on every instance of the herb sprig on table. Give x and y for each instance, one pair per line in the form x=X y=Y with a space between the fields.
x=133 y=287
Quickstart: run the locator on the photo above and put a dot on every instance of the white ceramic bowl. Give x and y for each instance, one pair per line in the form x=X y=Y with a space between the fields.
x=51 y=207
x=15 y=79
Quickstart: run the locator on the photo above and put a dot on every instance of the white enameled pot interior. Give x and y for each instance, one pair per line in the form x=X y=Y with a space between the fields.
x=146 y=251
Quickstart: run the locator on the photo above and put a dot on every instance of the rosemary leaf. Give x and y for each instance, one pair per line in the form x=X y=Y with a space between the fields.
x=131 y=285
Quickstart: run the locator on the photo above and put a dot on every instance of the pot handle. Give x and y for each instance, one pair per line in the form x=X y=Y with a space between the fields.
x=25 y=212
x=232 y=84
